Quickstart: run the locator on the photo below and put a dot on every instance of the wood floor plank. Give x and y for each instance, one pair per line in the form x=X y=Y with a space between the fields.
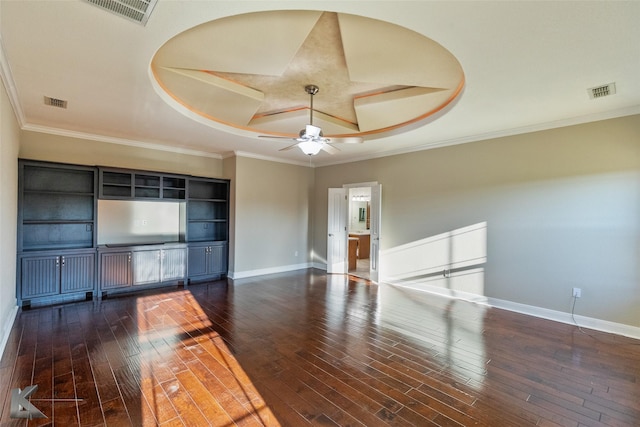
x=65 y=408
x=211 y=409
x=184 y=404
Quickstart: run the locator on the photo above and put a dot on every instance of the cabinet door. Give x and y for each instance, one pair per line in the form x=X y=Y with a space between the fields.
x=77 y=272
x=173 y=264
x=218 y=259
x=146 y=267
x=40 y=276
x=115 y=270
x=197 y=261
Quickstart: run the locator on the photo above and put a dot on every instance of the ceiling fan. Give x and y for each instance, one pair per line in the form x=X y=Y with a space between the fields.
x=310 y=139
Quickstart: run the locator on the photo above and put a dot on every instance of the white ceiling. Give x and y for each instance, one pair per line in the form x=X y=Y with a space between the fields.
x=527 y=66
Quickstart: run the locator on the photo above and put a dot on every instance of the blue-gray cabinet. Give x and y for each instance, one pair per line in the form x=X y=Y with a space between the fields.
x=174 y=264
x=207 y=210
x=147 y=266
x=207 y=228
x=58 y=258
x=207 y=260
x=56 y=232
x=56 y=275
x=124 y=268
x=57 y=206
x=159 y=265
x=115 y=270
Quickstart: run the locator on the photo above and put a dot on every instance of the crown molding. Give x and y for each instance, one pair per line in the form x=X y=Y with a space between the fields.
x=614 y=114
x=119 y=141
x=7 y=79
x=268 y=158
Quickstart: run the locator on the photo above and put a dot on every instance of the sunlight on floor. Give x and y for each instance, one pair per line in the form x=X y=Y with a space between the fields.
x=187 y=371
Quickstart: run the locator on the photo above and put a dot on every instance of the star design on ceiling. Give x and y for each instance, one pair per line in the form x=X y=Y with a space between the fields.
x=248 y=73
x=319 y=61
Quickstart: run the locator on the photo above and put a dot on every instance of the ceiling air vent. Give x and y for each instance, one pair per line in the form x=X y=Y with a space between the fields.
x=54 y=102
x=135 y=10
x=600 y=91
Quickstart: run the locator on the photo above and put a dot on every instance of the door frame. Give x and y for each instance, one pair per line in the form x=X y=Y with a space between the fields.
x=376 y=215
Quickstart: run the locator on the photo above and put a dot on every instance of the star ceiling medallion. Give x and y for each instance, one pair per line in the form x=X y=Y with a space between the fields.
x=245 y=74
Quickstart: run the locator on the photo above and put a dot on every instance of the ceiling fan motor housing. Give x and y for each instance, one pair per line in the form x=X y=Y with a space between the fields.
x=312 y=131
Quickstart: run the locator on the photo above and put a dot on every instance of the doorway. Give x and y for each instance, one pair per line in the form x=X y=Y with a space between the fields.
x=359 y=231
x=353 y=242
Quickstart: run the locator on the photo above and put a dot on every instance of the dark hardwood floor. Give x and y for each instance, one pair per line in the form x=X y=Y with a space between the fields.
x=304 y=348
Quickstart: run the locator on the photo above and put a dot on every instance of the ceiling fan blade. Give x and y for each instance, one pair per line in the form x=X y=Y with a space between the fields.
x=346 y=140
x=289 y=147
x=329 y=149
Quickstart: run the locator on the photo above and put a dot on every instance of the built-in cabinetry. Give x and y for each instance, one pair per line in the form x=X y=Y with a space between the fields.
x=207 y=210
x=57 y=276
x=207 y=228
x=56 y=232
x=207 y=260
x=123 y=184
x=123 y=268
x=58 y=256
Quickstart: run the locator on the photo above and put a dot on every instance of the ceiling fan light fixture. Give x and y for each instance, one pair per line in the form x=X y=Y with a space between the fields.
x=310 y=147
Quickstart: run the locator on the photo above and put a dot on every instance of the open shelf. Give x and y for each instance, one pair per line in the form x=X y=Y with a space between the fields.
x=115 y=184
x=57 y=207
x=208 y=210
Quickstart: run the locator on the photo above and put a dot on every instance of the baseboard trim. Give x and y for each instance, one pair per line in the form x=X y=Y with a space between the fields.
x=8 y=324
x=543 y=313
x=319 y=266
x=271 y=270
x=560 y=316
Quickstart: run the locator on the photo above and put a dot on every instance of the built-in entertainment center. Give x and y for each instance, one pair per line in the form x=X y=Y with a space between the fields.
x=86 y=232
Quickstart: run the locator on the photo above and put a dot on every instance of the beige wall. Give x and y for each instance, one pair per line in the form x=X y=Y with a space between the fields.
x=64 y=149
x=272 y=216
x=562 y=209
x=9 y=145
x=229 y=167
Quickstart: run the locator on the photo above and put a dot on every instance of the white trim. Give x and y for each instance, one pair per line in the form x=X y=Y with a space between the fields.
x=543 y=313
x=8 y=324
x=319 y=266
x=271 y=270
x=361 y=184
x=572 y=121
x=7 y=79
x=559 y=316
x=268 y=158
x=119 y=141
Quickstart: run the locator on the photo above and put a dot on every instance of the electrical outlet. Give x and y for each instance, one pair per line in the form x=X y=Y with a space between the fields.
x=295 y=253
x=577 y=292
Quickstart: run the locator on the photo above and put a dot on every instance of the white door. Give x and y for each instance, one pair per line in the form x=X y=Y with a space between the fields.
x=337 y=231
x=376 y=216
